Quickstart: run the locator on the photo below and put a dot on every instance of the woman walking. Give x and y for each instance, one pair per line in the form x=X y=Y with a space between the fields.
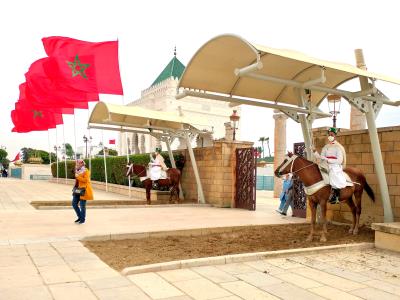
x=82 y=191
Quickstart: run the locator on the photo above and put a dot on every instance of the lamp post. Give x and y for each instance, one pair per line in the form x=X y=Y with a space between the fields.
x=234 y=119
x=334 y=106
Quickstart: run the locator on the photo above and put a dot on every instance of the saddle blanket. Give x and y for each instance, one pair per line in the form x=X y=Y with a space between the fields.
x=163 y=175
x=312 y=189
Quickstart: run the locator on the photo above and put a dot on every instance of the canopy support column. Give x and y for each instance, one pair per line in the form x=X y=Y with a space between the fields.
x=379 y=168
x=172 y=159
x=307 y=134
x=375 y=146
x=200 y=194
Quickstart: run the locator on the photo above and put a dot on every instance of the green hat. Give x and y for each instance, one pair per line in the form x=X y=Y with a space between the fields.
x=332 y=129
x=158 y=149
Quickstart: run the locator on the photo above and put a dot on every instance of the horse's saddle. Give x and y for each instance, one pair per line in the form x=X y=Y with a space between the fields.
x=163 y=175
x=324 y=168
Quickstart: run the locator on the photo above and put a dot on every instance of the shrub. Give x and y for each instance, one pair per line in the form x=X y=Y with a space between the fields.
x=116 y=167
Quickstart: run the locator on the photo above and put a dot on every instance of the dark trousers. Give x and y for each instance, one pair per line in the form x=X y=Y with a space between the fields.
x=80 y=211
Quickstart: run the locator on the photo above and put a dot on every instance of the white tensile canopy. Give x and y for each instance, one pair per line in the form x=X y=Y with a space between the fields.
x=163 y=125
x=229 y=68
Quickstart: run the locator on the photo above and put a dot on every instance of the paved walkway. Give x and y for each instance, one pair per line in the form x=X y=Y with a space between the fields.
x=41 y=257
x=67 y=270
x=21 y=224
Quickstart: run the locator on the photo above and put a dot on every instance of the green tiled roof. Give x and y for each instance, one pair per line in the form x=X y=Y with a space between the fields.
x=174 y=69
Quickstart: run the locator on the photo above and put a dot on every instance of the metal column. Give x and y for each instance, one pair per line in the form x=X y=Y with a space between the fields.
x=380 y=170
x=375 y=146
x=307 y=134
x=195 y=170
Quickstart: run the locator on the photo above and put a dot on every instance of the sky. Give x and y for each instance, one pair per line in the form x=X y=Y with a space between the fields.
x=149 y=30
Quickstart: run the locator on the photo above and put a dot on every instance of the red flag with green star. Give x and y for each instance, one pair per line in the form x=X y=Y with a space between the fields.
x=32 y=104
x=79 y=64
x=26 y=119
x=46 y=91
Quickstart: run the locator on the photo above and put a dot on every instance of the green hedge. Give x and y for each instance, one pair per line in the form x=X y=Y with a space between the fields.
x=116 y=167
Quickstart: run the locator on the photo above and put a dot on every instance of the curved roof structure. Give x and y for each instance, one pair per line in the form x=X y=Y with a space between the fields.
x=138 y=117
x=212 y=69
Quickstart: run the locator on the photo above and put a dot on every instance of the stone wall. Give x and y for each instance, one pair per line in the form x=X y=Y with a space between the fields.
x=35 y=169
x=359 y=155
x=217 y=169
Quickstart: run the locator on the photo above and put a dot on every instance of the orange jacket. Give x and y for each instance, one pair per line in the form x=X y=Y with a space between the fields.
x=84 y=182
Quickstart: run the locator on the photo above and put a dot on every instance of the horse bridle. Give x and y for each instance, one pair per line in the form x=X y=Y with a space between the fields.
x=131 y=168
x=291 y=161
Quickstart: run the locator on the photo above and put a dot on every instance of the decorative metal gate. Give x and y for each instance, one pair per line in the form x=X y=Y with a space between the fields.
x=299 y=196
x=246 y=174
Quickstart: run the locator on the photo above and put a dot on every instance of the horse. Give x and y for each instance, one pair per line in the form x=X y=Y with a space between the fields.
x=172 y=180
x=309 y=173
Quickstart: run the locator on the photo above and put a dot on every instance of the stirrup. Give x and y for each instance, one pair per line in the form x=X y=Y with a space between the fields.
x=334 y=197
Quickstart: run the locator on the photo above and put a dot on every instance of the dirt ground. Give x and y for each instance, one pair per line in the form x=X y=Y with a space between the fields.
x=127 y=253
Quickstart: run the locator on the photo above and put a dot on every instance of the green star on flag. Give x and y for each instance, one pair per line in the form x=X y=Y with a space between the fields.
x=37 y=113
x=77 y=67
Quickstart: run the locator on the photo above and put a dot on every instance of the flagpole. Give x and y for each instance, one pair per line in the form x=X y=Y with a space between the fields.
x=65 y=155
x=57 y=152
x=104 y=156
x=127 y=162
x=127 y=154
x=76 y=157
x=48 y=139
x=90 y=148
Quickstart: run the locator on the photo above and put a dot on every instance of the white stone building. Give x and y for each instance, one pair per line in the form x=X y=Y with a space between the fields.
x=161 y=96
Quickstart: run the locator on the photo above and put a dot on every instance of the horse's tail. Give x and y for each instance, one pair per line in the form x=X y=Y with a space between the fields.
x=369 y=191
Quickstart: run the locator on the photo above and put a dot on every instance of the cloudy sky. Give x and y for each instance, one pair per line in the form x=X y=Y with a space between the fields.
x=149 y=30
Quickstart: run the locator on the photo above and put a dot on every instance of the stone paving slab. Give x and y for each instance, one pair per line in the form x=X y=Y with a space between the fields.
x=293 y=277
x=41 y=258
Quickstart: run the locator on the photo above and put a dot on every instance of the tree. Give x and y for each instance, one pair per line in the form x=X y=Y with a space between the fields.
x=110 y=152
x=69 y=150
x=44 y=155
x=3 y=158
x=3 y=154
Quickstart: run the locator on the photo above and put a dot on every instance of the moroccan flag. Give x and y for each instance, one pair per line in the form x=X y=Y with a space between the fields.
x=44 y=90
x=33 y=105
x=111 y=142
x=74 y=63
x=16 y=158
x=26 y=119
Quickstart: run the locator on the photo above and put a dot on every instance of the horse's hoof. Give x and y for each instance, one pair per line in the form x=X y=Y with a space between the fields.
x=355 y=231
x=322 y=239
x=309 y=238
x=351 y=231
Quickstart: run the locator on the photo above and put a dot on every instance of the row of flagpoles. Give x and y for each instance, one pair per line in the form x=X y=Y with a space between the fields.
x=73 y=73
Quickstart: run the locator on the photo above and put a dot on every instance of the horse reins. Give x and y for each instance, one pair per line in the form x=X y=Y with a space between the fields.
x=292 y=163
x=131 y=168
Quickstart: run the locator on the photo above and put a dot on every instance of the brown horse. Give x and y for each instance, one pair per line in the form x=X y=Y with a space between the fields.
x=310 y=174
x=172 y=182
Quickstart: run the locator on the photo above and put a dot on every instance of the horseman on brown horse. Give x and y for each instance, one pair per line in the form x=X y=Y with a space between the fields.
x=341 y=185
x=159 y=176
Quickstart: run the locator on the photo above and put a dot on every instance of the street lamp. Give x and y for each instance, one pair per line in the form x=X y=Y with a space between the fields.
x=334 y=106
x=234 y=119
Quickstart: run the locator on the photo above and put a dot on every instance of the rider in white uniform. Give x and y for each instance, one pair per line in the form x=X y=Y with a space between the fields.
x=334 y=154
x=156 y=164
